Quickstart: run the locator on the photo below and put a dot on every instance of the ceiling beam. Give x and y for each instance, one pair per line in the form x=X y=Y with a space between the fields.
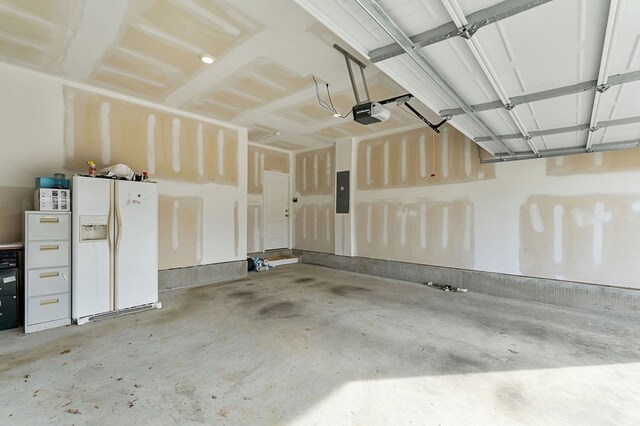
x=561 y=152
x=476 y=20
x=390 y=27
x=454 y=10
x=607 y=47
x=577 y=128
x=585 y=86
x=531 y=97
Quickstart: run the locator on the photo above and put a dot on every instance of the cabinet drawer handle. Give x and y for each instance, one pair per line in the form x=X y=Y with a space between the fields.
x=49 y=274
x=50 y=247
x=49 y=302
x=49 y=220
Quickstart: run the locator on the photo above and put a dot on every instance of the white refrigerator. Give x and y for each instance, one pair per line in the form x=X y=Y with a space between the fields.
x=115 y=247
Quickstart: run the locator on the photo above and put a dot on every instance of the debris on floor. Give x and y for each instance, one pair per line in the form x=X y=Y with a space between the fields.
x=446 y=287
x=258 y=264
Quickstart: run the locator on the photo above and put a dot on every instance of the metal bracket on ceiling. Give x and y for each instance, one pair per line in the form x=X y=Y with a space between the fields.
x=399 y=100
x=509 y=106
x=503 y=10
x=601 y=88
x=349 y=58
x=528 y=139
x=593 y=129
x=468 y=31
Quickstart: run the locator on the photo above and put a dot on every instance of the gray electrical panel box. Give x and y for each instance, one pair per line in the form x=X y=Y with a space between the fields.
x=342 y=192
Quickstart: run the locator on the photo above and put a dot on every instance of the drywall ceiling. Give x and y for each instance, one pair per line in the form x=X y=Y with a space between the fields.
x=265 y=55
x=518 y=76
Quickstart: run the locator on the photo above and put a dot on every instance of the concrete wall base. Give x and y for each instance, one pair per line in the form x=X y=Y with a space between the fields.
x=170 y=279
x=590 y=297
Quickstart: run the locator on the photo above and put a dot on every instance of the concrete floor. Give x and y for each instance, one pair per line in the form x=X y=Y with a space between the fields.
x=309 y=345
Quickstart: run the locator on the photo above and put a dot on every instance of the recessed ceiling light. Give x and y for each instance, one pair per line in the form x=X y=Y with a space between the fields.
x=207 y=59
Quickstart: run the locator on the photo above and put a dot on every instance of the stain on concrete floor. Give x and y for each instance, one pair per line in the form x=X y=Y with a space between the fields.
x=342 y=348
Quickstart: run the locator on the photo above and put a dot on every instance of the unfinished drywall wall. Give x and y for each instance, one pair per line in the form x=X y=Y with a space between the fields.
x=315 y=172
x=570 y=218
x=110 y=131
x=200 y=164
x=433 y=232
x=180 y=236
x=589 y=235
x=419 y=157
x=13 y=203
x=260 y=159
x=597 y=162
x=314 y=211
x=416 y=227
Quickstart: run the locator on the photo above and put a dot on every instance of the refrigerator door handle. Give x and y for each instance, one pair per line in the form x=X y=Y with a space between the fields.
x=110 y=233
x=117 y=246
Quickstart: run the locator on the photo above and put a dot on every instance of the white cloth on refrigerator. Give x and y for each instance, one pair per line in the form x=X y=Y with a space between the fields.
x=118 y=170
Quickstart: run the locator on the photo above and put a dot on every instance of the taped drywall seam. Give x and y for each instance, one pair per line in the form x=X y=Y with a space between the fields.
x=199 y=231
x=558 y=213
x=304 y=173
x=468 y=218
x=403 y=225
x=386 y=163
x=175 y=144
x=327 y=212
x=444 y=153
x=536 y=218
x=600 y=217
x=467 y=157
x=174 y=226
x=220 y=152
x=70 y=124
x=422 y=153
x=445 y=227
x=303 y=212
x=256 y=170
x=423 y=225
x=105 y=133
x=598 y=159
x=403 y=159
x=368 y=164
x=385 y=224
x=328 y=172
x=315 y=171
x=315 y=223
x=200 y=148
x=151 y=147
x=261 y=170
x=369 y=224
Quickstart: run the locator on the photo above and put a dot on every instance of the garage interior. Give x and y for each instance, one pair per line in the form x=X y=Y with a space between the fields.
x=505 y=173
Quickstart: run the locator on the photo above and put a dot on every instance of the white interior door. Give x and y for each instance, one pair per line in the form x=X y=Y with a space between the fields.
x=275 y=207
x=136 y=254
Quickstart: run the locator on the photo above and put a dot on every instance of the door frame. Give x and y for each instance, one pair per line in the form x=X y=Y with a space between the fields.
x=289 y=207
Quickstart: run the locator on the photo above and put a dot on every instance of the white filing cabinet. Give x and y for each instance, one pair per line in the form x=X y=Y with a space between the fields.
x=47 y=265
